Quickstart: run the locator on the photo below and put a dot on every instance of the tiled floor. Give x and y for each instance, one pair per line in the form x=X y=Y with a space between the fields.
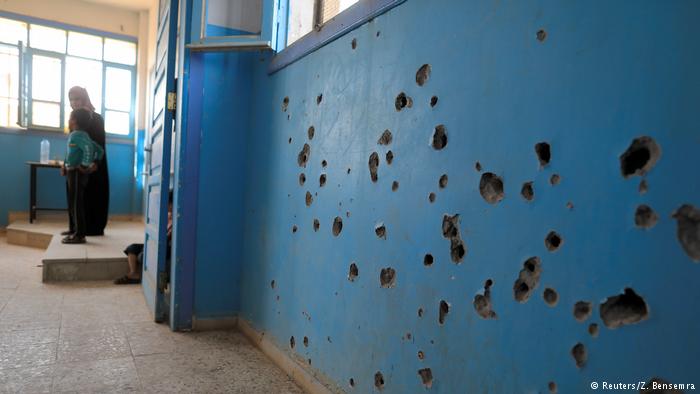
x=95 y=337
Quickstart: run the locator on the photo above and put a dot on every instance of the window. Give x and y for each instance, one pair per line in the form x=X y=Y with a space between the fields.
x=304 y=15
x=40 y=63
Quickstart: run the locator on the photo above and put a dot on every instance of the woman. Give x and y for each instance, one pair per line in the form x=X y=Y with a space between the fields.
x=97 y=189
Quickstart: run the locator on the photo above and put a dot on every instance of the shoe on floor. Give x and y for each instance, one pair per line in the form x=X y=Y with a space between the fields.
x=125 y=280
x=72 y=239
x=68 y=232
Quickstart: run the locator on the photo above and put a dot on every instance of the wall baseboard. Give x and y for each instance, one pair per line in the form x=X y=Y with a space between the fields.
x=14 y=216
x=214 y=324
x=298 y=371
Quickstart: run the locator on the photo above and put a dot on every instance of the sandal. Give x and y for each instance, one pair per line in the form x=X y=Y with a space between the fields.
x=125 y=280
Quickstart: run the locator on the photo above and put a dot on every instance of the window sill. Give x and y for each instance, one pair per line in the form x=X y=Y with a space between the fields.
x=350 y=19
x=53 y=133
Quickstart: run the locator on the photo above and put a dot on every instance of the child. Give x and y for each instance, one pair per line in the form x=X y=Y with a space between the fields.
x=81 y=153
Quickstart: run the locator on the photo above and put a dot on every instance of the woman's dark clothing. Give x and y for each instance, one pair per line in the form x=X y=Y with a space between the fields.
x=97 y=189
x=133 y=249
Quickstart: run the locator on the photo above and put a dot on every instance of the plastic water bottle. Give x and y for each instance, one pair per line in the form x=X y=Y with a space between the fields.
x=45 y=149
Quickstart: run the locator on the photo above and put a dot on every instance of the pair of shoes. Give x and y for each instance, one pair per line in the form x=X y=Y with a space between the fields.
x=125 y=280
x=73 y=239
x=68 y=232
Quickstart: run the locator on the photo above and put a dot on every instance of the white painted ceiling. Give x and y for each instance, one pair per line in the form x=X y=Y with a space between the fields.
x=134 y=5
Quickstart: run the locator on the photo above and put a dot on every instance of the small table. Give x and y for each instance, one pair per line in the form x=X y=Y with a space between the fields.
x=33 y=165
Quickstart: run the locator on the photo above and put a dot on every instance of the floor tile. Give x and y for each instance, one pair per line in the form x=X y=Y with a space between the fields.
x=35 y=380
x=88 y=343
x=23 y=356
x=102 y=376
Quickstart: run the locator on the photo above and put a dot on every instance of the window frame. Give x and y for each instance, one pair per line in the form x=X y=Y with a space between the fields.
x=26 y=54
x=345 y=21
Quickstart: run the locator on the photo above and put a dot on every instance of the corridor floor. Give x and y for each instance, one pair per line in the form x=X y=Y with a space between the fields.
x=95 y=337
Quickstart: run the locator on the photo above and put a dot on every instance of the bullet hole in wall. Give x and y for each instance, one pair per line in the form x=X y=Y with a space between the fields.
x=623 y=309
x=290 y=140
x=643 y=187
x=426 y=376
x=379 y=380
x=306 y=342
x=349 y=170
x=423 y=74
x=688 y=230
x=482 y=302
x=439 y=140
x=302 y=179
x=337 y=225
x=311 y=132
x=527 y=191
x=378 y=33
x=580 y=355
x=322 y=180
x=443 y=181
x=420 y=312
x=431 y=197
x=582 y=310
x=551 y=297
x=528 y=279
x=443 y=311
x=353 y=273
x=491 y=188
x=450 y=230
x=543 y=153
x=303 y=156
x=570 y=205
x=309 y=199
x=555 y=179
x=428 y=260
x=421 y=355
x=640 y=157
x=317 y=224
x=380 y=231
x=593 y=330
x=389 y=157
x=324 y=163
x=285 y=104
x=541 y=35
x=433 y=101
x=294 y=228
x=373 y=165
x=385 y=138
x=319 y=98
x=292 y=342
x=394 y=186
x=553 y=241
x=645 y=217
x=353 y=43
x=352 y=382
x=272 y=284
x=552 y=386
x=402 y=101
x=477 y=166
x=387 y=277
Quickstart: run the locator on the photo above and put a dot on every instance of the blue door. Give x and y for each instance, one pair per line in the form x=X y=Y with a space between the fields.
x=155 y=275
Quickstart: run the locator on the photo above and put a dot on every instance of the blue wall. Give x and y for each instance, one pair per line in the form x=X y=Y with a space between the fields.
x=16 y=149
x=224 y=136
x=606 y=73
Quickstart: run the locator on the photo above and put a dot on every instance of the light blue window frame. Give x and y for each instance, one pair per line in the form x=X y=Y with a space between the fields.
x=273 y=32
x=26 y=53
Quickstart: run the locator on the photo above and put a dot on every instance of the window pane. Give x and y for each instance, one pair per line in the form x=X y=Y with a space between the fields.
x=301 y=19
x=46 y=78
x=233 y=17
x=46 y=114
x=47 y=38
x=84 y=45
x=9 y=72
x=88 y=74
x=331 y=8
x=8 y=112
x=118 y=89
x=120 y=51
x=13 y=31
x=117 y=122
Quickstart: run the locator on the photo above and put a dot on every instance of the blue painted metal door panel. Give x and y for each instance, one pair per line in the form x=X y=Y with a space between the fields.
x=160 y=142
